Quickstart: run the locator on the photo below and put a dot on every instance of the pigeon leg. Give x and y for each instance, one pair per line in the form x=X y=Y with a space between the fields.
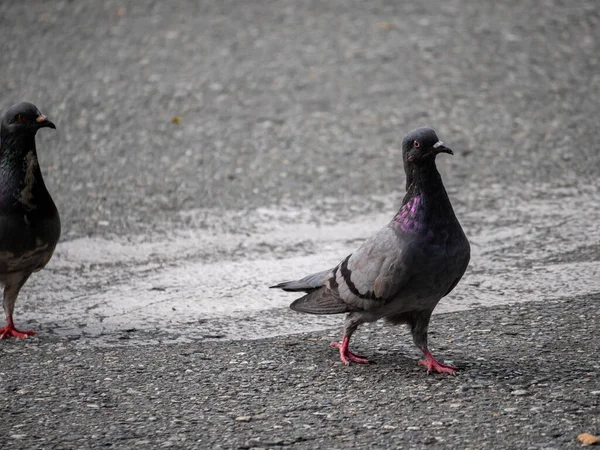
x=434 y=366
x=11 y=291
x=353 y=320
x=346 y=355
x=10 y=331
x=419 y=324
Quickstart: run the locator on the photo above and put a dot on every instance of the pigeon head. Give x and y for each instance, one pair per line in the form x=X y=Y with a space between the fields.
x=24 y=119
x=421 y=145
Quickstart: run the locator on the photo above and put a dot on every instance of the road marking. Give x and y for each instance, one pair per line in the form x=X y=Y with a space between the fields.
x=190 y=283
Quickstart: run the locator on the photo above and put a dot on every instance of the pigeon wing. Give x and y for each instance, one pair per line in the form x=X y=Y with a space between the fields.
x=367 y=278
x=373 y=274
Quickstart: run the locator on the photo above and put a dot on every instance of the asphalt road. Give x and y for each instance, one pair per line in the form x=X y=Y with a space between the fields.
x=529 y=379
x=286 y=156
x=287 y=102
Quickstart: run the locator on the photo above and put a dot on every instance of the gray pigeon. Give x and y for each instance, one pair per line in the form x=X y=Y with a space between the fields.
x=403 y=271
x=29 y=222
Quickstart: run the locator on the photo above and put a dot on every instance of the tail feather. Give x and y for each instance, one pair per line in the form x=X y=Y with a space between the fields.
x=306 y=284
x=321 y=301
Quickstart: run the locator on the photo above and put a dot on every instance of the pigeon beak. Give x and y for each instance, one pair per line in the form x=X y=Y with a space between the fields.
x=43 y=122
x=441 y=148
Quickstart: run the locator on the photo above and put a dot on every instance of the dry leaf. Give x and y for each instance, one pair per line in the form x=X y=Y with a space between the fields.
x=588 y=439
x=121 y=12
x=176 y=120
x=385 y=26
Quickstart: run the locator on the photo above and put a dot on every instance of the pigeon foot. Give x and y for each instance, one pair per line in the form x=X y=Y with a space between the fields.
x=346 y=355
x=434 y=366
x=10 y=331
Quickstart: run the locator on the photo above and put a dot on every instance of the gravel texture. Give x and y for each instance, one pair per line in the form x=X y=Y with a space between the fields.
x=529 y=378
x=295 y=102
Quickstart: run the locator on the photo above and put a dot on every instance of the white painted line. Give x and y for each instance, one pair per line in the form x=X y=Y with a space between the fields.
x=97 y=287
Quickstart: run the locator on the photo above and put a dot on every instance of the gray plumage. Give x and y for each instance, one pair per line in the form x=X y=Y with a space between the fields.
x=402 y=271
x=29 y=221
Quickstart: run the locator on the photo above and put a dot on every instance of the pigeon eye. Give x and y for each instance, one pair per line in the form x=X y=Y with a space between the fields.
x=416 y=144
x=20 y=118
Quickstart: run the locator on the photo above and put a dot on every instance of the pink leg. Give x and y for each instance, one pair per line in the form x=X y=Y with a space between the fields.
x=10 y=331
x=434 y=366
x=346 y=355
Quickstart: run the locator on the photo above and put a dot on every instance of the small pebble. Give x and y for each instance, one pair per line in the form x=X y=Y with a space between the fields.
x=243 y=419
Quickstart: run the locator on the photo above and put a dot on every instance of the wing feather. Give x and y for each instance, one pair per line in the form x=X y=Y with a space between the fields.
x=365 y=279
x=375 y=272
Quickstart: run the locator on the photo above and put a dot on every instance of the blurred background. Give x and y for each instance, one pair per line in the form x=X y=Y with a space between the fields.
x=286 y=101
x=208 y=148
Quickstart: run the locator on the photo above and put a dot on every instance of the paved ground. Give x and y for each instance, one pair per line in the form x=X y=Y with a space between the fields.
x=529 y=379
x=287 y=102
x=286 y=157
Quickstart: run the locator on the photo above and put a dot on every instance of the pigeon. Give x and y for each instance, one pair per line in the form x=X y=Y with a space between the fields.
x=403 y=271
x=29 y=221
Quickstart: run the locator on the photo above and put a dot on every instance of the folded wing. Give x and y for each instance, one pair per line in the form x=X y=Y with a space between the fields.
x=364 y=280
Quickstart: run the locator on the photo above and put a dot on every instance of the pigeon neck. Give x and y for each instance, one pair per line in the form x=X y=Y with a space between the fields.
x=423 y=179
x=426 y=205
x=20 y=174
x=13 y=147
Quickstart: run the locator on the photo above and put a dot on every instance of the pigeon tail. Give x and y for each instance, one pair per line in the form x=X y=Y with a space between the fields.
x=306 y=284
x=321 y=301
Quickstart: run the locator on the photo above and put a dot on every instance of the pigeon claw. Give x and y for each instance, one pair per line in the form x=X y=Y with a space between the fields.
x=10 y=331
x=434 y=366
x=346 y=355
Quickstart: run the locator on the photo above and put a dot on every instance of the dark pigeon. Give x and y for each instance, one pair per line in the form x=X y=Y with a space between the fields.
x=29 y=222
x=403 y=271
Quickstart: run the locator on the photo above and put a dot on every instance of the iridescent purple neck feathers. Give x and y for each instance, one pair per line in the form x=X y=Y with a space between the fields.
x=411 y=217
